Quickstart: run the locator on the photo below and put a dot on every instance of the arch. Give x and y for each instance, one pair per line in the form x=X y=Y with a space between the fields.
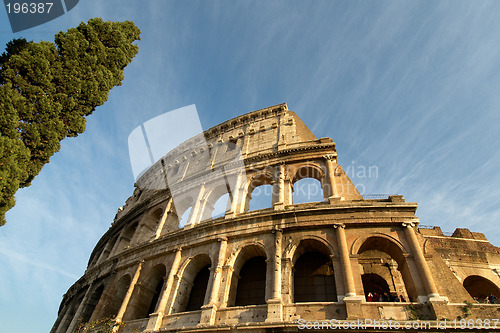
x=313 y=278
x=251 y=288
x=309 y=243
x=376 y=285
x=310 y=170
x=116 y=297
x=212 y=199
x=262 y=178
x=189 y=272
x=125 y=238
x=198 y=291
x=149 y=223
x=244 y=252
x=303 y=177
x=308 y=190
x=108 y=249
x=358 y=242
x=183 y=210
x=221 y=206
x=312 y=270
x=185 y=217
x=480 y=288
x=146 y=296
x=70 y=312
x=91 y=304
x=382 y=255
x=242 y=282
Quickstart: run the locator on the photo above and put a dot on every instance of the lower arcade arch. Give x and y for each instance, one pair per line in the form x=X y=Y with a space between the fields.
x=147 y=293
x=69 y=313
x=313 y=273
x=115 y=298
x=251 y=288
x=193 y=284
x=481 y=289
x=384 y=270
x=199 y=289
x=248 y=280
x=91 y=304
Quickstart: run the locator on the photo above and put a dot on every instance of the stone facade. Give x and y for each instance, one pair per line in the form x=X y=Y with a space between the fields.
x=267 y=269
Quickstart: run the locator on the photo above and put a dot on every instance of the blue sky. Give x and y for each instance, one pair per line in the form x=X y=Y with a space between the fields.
x=409 y=88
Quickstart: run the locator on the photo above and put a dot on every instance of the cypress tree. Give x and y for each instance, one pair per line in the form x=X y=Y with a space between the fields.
x=46 y=91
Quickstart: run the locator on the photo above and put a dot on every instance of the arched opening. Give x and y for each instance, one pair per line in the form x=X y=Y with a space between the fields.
x=107 y=252
x=149 y=225
x=307 y=185
x=70 y=313
x=197 y=295
x=126 y=237
x=252 y=283
x=220 y=206
x=91 y=304
x=261 y=198
x=313 y=273
x=377 y=286
x=185 y=217
x=217 y=201
x=314 y=280
x=183 y=209
x=307 y=190
x=481 y=289
x=382 y=257
x=118 y=295
x=192 y=289
x=248 y=280
x=147 y=293
x=260 y=192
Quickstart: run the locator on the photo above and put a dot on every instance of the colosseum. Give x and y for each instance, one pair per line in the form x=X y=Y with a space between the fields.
x=168 y=263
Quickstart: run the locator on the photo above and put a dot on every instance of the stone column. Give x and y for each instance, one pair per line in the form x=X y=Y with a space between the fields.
x=333 y=195
x=351 y=301
x=78 y=313
x=155 y=319
x=274 y=305
x=164 y=217
x=423 y=268
x=210 y=310
x=126 y=300
x=279 y=188
x=345 y=261
x=236 y=197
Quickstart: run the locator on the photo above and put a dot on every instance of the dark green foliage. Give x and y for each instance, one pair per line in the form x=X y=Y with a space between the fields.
x=47 y=89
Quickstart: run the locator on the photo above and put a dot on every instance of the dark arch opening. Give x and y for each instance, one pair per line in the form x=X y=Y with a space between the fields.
x=91 y=304
x=156 y=297
x=251 y=288
x=382 y=256
x=119 y=293
x=480 y=288
x=375 y=284
x=200 y=283
x=314 y=279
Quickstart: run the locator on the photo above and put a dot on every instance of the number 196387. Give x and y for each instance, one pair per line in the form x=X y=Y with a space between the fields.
x=32 y=8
